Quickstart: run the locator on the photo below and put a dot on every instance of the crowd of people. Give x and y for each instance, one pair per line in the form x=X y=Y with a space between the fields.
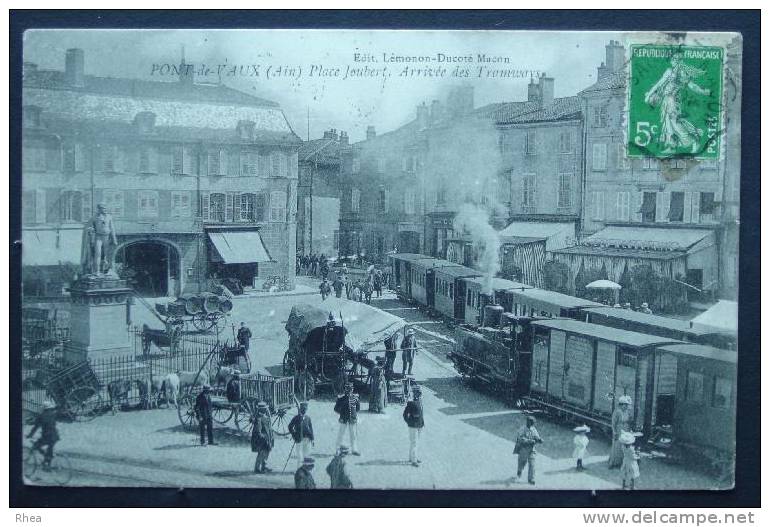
x=359 y=290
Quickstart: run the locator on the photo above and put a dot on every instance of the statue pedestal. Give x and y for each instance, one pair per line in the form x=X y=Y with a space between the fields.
x=98 y=318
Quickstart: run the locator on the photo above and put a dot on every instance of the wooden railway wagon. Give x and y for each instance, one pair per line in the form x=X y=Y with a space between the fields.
x=703 y=424
x=580 y=369
x=451 y=290
x=539 y=302
x=476 y=299
x=423 y=288
x=657 y=325
x=402 y=271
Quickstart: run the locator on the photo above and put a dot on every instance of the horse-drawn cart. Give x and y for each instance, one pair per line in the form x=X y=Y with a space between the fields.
x=196 y=312
x=330 y=344
x=76 y=390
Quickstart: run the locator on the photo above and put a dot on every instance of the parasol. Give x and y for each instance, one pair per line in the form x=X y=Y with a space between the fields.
x=604 y=284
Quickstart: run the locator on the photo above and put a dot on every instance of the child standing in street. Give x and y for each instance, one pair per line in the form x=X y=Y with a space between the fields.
x=581 y=444
x=630 y=467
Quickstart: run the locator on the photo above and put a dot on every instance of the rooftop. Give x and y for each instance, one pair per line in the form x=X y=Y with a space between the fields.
x=621 y=336
x=323 y=151
x=564 y=108
x=611 y=81
x=704 y=352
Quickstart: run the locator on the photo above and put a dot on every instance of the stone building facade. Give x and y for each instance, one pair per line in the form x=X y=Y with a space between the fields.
x=199 y=178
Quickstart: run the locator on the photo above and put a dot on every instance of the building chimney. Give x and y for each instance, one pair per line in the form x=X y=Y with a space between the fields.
x=370 y=132
x=533 y=91
x=601 y=71
x=74 y=67
x=616 y=56
x=423 y=117
x=344 y=138
x=145 y=122
x=546 y=91
x=29 y=68
x=435 y=111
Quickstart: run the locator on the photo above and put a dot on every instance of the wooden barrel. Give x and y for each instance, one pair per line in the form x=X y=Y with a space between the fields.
x=225 y=304
x=192 y=304
x=210 y=302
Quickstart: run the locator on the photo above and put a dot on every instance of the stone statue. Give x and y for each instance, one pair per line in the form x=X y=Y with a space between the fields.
x=99 y=242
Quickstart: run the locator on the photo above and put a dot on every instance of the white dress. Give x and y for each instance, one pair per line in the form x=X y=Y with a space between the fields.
x=581 y=443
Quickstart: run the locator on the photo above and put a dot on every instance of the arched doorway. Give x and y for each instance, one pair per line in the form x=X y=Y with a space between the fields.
x=150 y=266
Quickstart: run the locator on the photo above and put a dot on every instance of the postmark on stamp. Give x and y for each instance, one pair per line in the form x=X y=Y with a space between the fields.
x=675 y=101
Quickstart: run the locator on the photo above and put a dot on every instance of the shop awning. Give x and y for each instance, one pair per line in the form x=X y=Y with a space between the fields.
x=238 y=247
x=536 y=230
x=51 y=246
x=652 y=238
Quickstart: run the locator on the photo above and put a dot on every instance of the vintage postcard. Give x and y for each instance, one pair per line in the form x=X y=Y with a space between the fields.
x=493 y=260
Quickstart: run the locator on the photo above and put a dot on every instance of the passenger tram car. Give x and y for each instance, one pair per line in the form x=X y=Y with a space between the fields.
x=572 y=358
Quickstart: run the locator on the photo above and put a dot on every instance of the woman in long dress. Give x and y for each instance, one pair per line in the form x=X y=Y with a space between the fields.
x=377 y=390
x=621 y=422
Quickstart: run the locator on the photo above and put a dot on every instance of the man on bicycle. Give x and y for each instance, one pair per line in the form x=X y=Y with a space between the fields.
x=49 y=435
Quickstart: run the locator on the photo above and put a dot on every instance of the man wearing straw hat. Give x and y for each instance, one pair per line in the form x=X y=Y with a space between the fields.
x=303 y=477
x=526 y=440
x=262 y=438
x=301 y=430
x=408 y=350
x=415 y=421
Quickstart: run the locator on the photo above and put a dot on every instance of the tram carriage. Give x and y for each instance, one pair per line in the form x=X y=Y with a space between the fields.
x=451 y=290
x=476 y=296
x=539 y=302
x=402 y=272
x=423 y=287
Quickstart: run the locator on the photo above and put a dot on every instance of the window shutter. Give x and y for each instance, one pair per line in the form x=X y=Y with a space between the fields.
x=696 y=207
x=222 y=155
x=264 y=165
x=81 y=206
x=119 y=162
x=228 y=207
x=187 y=161
x=237 y=206
x=213 y=164
x=204 y=206
x=233 y=163
x=687 y=207
x=662 y=200
x=638 y=200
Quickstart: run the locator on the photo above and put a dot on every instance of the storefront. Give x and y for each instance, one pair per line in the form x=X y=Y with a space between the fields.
x=236 y=254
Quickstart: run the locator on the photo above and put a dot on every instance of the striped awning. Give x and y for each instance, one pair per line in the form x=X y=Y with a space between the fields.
x=237 y=247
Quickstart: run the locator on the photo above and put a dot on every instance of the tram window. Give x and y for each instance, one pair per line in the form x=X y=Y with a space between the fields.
x=722 y=392
x=627 y=359
x=694 y=388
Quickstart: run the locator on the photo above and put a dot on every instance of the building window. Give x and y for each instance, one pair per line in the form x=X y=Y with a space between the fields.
x=565 y=190
x=621 y=159
x=111 y=159
x=600 y=117
x=598 y=206
x=528 y=194
x=707 y=206
x=382 y=200
x=31 y=116
x=278 y=206
x=623 y=206
x=355 y=200
x=218 y=163
x=723 y=391
x=679 y=163
x=530 y=143
x=565 y=142
x=180 y=204
x=649 y=206
x=71 y=205
x=148 y=204
x=177 y=160
x=260 y=207
x=277 y=162
x=650 y=163
x=74 y=158
x=381 y=164
x=249 y=163
x=694 y=387
x=409 y=199
x=599 y=157
x=113 y=200
x=148 y=160
x=247 y=205
x=356 y=165
x=34 y=157
x=676 y=207
x=217 y=207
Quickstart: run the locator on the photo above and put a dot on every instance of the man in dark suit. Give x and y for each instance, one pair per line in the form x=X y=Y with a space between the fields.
x=413 y=416
x=204 y=415
x=408 y=350
x=244 y=336
x=262 y=438
x=348 y=406
x=303 y=477
x=301 y=430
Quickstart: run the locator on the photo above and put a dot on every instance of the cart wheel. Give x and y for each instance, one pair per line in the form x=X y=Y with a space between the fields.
x=201 y=321
x=280 y=423
x=186 y=410
x=83 y=403
x=244 y=416
x=221 y=414
x=304 y=384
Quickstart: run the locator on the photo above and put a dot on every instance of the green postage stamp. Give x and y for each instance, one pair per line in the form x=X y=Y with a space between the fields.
x=675 y=101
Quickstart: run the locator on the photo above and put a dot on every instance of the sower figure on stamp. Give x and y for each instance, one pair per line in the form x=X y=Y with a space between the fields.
x=408 y=350
x=348 y=406
x=303 y=477
x=99 y=242
x=526 y=439
x=301 y=430
x=204 y=415
x=262 y=438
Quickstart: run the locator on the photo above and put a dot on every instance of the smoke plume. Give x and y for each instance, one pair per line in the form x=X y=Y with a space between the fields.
x=486 y=240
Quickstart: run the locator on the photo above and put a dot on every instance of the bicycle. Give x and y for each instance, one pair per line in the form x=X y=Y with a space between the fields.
x=59 y=472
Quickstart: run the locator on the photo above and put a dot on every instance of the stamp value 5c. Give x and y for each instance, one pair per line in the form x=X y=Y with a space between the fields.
x=675 y=101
